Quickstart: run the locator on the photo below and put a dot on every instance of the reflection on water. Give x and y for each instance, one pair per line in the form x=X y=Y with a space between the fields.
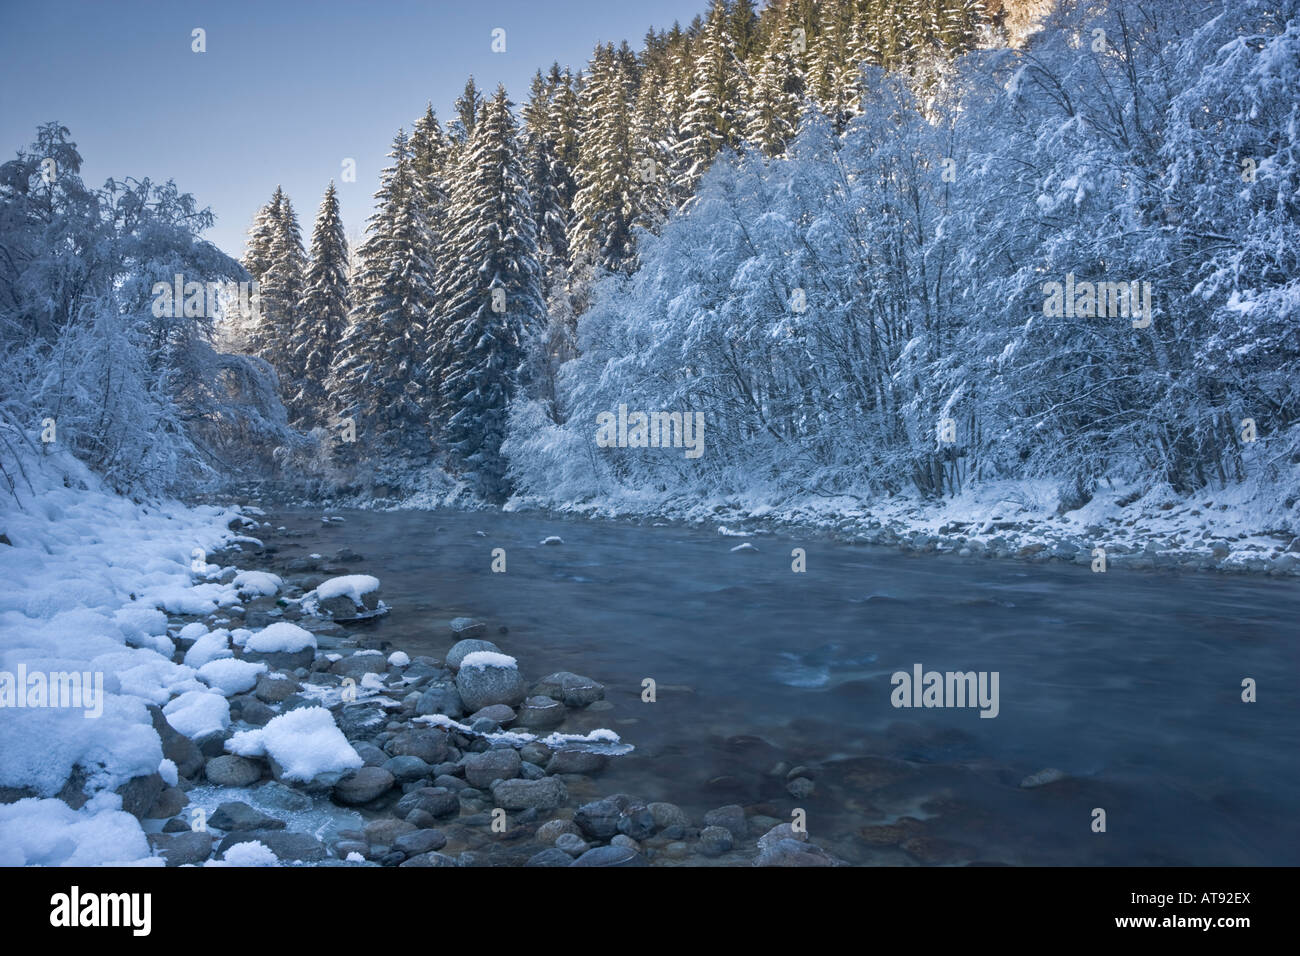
x=1130 y=683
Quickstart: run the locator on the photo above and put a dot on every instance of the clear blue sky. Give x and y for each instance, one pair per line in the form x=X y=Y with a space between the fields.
x=285 y=91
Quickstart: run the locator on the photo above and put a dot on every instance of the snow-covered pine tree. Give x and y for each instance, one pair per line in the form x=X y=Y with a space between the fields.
x=544 y=177
x=604 y=208
x=245 y=331
x=494 y=300
x=323 y=315
x=713 y=120
x=281 y=290
x=772 y=104
x=377 y=370
x=467 y=107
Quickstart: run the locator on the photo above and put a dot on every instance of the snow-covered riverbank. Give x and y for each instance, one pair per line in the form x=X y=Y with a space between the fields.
x=1241 y=528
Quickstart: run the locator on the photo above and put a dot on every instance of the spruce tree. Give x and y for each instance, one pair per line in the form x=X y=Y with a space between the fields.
x=323 y=316
x=713 y=119
x=604 y=208
x=377 y=370
x=494 y=300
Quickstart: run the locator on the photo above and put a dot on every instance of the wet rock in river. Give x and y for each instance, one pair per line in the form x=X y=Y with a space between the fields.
x=463 y=648
x=487 y=677
x=363 y=785
x=573 y=690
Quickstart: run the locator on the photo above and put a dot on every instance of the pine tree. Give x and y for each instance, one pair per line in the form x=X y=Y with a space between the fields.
x=545 y=176
x=713 y=120
x=323 y=316
x=377 y=370
x=281 y=289
x=494 y=301
x=468 y=106
x=773 y=100
x=249 y=335
x=604 y=207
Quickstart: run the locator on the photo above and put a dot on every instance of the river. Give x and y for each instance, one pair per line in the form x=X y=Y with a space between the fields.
x=1128 y=682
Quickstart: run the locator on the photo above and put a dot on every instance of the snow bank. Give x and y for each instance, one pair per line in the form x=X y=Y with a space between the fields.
x=36 y=832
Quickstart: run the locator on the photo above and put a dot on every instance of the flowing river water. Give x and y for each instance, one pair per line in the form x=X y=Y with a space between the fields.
x=1128 y=682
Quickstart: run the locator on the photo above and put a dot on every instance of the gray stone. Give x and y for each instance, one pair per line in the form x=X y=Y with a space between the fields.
x=530 y=771
x=463 y=628
x=285 y=844
x=669 y=815
x=541 y=712
x=610 y=856
x=462 y=648
x=502 y=715
x=283 y=797
x=637 y=822
x=714 y=841
x=370 y=755
x=544 y=794
x=550 y=857
x=440 y=699
x=430 y=859
x=793 y=853
x=484 y=768
x=363 y=785
x=598 y=819
x=180 y=849
x=782 y=831
x=236 y=815
x=139 y=794
x=572 y=844
x=429 y=745
x=730 y=817
x=573 y=689
x=535 y=752
x=551 y=830
x=420 y=841
x=385 y=831
x=406 y=769
x=361 y=721
x=800 y=788
x=359 y=665
x=170 y=802
x=481 y=686
x=435 y=801
x=281 y=660
x=232 y=771
x=273 y=690
x=256 y=713
x=576 y=761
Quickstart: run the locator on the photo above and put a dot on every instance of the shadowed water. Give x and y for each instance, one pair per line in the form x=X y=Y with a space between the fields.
x=1129 y=682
